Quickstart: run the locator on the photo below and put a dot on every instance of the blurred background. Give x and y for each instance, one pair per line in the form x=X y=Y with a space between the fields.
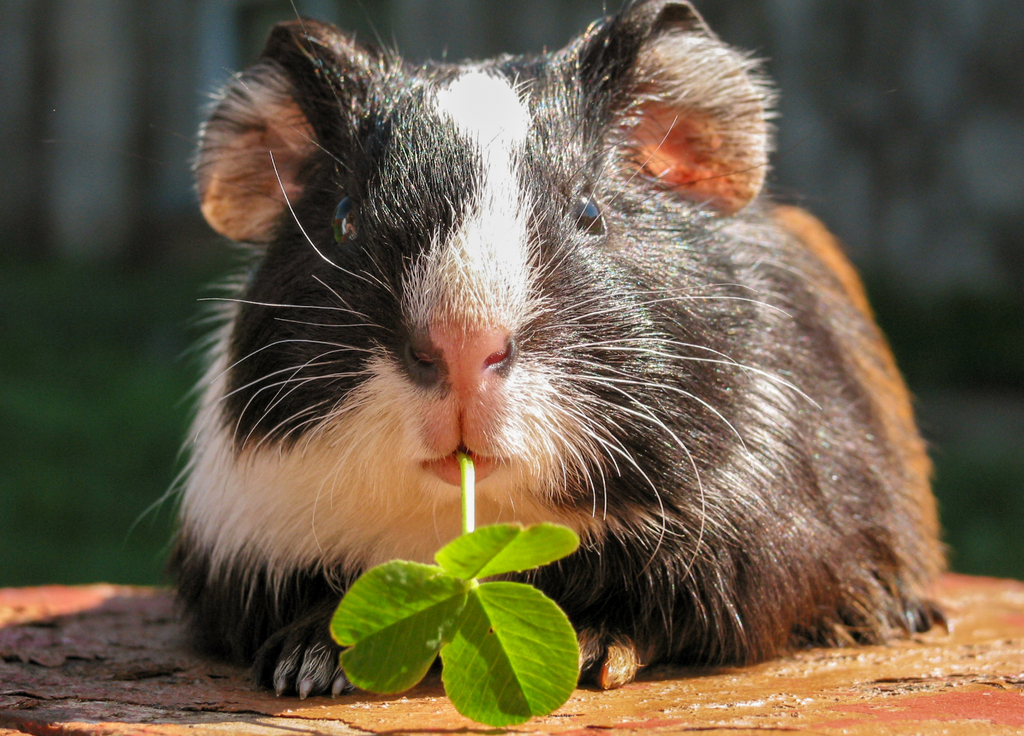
x=902 y=127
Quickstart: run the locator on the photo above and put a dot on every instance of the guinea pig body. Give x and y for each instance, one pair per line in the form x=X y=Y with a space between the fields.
x=562 y=265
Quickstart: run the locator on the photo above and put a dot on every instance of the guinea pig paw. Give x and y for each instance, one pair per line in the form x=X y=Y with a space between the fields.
x=318 y=673
x=300 y=659
x=926 y=615
x=620 y=665
x=610 y=661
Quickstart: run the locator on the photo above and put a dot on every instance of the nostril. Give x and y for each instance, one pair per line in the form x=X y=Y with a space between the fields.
x=422 y=361
x=503 y=358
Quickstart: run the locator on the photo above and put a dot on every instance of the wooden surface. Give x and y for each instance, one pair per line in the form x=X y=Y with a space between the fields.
x=110 y=660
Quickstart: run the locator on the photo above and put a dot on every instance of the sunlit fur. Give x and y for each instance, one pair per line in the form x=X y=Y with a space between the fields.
x=482 y=274
x=695 y=388
x=351 y=493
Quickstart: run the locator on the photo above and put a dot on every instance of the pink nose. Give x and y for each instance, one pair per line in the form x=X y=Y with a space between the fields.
x=472 y=359
x=464 y=360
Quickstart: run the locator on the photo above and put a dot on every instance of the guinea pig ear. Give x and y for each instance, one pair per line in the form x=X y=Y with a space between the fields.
x=695 y=116
x=269 y=120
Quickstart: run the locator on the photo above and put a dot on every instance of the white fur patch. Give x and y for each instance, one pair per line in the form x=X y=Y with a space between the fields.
x=480 y=277
x=485 y=108
x=352 y=493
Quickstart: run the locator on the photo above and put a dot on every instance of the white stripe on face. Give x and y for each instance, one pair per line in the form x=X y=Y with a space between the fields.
x=480 y=276
x=486 y=109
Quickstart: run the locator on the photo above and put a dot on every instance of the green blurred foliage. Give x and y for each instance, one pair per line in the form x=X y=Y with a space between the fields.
x=981 y=499
x=968 y=340
x=970 y=344
x=93 y=375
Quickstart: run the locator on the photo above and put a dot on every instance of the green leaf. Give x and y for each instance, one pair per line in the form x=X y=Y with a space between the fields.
x=502 y=548
x=465 y=556
x=514 y=655
x=396 y=617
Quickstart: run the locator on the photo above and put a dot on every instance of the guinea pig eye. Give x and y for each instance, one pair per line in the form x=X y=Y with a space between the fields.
x=344 y=221
x=587 y=216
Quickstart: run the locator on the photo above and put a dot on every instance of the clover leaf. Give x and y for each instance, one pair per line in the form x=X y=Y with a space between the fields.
x=395 y=619
x=503 y=548
x=513 y=656
x=509 y=651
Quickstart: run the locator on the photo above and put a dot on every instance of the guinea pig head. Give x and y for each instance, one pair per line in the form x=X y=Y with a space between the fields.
x=453 y=258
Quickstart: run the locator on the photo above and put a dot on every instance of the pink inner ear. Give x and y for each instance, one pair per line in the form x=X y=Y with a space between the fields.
x=243 y=195
x=687 y=152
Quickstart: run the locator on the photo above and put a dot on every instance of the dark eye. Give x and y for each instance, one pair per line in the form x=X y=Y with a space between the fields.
x=588 y=217
x=344 y=222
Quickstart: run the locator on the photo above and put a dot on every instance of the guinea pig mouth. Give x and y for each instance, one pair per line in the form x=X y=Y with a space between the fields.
x=447 y=468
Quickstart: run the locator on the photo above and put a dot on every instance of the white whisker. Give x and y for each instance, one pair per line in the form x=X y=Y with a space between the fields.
x=606 y=381
x=285 y=342
x=309 y=240
x=741 y=366
x=281 y=306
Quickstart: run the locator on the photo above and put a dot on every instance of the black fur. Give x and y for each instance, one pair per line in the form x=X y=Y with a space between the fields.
x=812 y=528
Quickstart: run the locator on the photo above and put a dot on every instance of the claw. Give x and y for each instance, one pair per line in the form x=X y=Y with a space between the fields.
x=620 y=665
x=300 y=660
x=280 y=680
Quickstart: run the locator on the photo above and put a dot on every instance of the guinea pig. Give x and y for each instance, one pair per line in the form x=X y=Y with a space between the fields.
x=564 y=266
